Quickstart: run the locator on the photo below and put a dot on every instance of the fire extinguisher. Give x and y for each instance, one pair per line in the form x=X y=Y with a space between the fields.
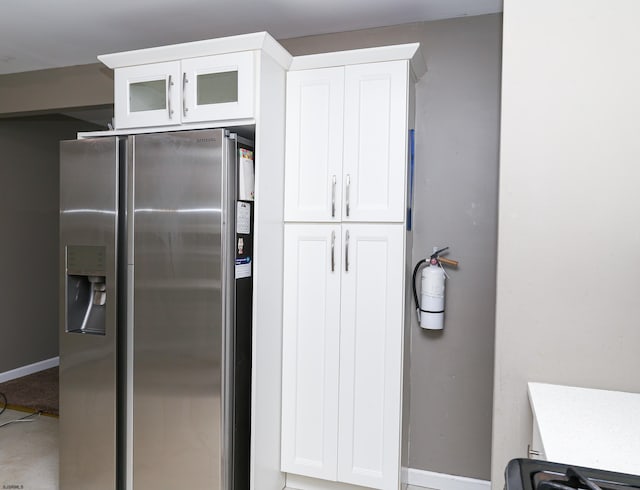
x=430 y=308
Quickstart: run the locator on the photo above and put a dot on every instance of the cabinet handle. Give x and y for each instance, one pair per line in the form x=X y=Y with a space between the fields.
x=333 y=251
x=347 y=193
x=346 y=252
x=333 y=196
x=184 y=97
x=169 y=97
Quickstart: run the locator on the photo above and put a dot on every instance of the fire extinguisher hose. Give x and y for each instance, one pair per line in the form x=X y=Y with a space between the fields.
x=413 y=283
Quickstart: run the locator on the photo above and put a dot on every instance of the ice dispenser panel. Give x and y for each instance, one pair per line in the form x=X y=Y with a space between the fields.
x=86 y=291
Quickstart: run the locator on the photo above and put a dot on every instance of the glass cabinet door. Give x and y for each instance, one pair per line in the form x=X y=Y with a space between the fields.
x=218 y=87
x=147 y=95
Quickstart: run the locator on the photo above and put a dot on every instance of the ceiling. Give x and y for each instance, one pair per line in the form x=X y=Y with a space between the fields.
x=39 y=34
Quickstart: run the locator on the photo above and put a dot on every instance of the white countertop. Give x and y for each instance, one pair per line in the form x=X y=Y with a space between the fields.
x=587 y=427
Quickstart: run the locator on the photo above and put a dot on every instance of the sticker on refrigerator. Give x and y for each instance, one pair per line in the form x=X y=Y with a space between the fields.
x=246 y=185
x=243 y=267
x=243 y=218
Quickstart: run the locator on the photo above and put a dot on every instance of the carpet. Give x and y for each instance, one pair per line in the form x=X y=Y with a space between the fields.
x=33 y=393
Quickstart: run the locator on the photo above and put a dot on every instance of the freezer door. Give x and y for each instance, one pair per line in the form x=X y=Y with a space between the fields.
x=181 y=290
x=87 y=333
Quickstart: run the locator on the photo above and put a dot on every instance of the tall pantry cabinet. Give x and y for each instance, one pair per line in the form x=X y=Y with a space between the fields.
x=347 y=180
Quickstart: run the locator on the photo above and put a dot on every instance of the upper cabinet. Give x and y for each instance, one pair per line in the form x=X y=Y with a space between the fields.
x=313 y=148
x=375 y=141
x=203 y=82
x=147 y=95
x=193 y=90
x=346 y=147
x=218 y=87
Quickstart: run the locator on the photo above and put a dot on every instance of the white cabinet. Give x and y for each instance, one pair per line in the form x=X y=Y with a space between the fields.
x=371 y=333
x=342 y=352
x=218 y=87
x=345 y=203
x=206 y=88
x=375 y=141
x=346 y=146
x=313 y=149
x=147 y=95
x=311 y=346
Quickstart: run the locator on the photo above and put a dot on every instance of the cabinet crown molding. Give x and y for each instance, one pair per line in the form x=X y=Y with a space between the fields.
x=232 y=44
x=411 y=52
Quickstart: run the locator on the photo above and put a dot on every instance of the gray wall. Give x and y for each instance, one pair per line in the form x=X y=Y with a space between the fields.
x=56 y=88
x=457 y=124
x=29 y=245
x=569 y=248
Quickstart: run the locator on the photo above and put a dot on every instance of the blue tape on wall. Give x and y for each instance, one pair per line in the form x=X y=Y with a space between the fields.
x=411 y=167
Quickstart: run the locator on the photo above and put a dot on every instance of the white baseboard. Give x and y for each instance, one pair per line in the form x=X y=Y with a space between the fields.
x=420 y=479
x=412 y=479
x=30 y=369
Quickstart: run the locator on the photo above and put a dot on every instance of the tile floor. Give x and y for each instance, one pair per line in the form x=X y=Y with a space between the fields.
x=28 y=453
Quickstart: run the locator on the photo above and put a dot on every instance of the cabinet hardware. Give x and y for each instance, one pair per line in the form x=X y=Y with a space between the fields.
x=184 y=97
x=347 y=193
x=169 y=97
x=346 y=252
x=333 y=196
x=333 y=251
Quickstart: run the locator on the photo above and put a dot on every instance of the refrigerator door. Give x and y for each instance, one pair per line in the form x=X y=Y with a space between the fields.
x=88 y=235
x=182 y=301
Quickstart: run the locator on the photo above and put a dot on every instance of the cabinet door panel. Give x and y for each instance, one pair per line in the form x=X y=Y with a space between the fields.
x=371 y=355
x=310 y=350
x=218 y=87
x=375 y=141
x=147 y=95
x=313 y=158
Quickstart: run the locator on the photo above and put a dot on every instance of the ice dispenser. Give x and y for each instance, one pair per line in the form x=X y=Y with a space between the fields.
x=86 y=289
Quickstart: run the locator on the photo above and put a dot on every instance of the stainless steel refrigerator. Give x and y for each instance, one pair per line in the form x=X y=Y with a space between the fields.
x=155 y=313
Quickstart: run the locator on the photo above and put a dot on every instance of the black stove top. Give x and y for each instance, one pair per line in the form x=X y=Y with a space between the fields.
x=532 y=474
